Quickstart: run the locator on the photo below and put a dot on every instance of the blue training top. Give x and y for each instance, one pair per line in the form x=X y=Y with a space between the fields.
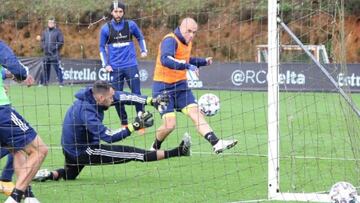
x=83 y=125
x=120 y=55
x=9 y=61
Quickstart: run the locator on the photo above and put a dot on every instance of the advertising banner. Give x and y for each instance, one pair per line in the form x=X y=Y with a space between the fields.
x=228 y=76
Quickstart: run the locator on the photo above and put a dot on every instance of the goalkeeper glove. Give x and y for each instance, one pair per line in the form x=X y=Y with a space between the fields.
x=160 y=102
x=162 y=99
x=143 y=120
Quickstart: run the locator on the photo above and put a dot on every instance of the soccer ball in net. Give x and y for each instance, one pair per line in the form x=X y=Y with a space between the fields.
x=209 y=104
x=343 y=192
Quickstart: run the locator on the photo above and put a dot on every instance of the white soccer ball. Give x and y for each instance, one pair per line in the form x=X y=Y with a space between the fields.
x=209 y=104
x=343 y=192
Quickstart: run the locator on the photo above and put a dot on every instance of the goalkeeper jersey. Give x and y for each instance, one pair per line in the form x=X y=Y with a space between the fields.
x=83 y=127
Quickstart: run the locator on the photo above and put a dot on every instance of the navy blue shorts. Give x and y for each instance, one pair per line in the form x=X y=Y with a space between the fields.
x=180 y=96
x=15 y=132
x=130 y=75
x=3 y=152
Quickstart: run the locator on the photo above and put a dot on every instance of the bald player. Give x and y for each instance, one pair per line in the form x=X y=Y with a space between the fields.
x=172 y=62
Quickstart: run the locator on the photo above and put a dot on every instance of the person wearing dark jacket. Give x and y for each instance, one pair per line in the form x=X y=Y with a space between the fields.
x=52 y=41
x=83 y=130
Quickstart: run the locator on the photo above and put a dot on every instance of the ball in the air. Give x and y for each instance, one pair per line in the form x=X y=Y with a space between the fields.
x=209 y=104
x=38 y=38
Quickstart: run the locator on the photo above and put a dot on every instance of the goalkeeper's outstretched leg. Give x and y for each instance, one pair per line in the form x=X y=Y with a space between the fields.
x=111 y=154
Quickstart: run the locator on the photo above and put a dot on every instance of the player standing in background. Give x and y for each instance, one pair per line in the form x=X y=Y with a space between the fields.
x=17 y=135
x=118 y=54
x=172 y=62
x=83 y=130
x=52 y=41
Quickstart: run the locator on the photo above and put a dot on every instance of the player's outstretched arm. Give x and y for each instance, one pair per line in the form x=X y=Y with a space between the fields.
x=95 y=127
x=129 y=98
x=201 y=61
x=159 y=102
x=9 y=61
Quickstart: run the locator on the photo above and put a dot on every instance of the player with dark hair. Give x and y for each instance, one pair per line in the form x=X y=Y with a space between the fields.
x=17 y=135
x=118 y=54
x=172 y=62
x=83 y=130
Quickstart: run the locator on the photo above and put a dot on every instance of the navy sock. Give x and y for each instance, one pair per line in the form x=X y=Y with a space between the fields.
x=173 y=152
x=157 y=144
x=150 y=156
x=29 y=192
x=17 y=195
x=211 y=137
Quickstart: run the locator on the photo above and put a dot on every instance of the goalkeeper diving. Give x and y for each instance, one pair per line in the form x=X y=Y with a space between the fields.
x=83 y=130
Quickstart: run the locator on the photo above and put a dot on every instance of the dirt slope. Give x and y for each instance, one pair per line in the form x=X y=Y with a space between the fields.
x=223 y=38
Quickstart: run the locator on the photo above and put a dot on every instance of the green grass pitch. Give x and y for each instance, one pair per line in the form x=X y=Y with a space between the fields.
x=315 y=149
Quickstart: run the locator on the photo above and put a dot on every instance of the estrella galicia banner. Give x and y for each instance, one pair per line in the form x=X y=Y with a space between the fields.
x=229 y=76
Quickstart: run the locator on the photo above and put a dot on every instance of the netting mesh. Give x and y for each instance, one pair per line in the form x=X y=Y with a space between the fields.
x=318 y=130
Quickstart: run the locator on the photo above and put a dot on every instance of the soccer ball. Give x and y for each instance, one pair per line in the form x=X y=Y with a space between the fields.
x=209 y=104
x=343 y=192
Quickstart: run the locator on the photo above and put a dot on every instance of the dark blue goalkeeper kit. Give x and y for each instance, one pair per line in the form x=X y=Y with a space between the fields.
x=83 y=131
x=83 y=125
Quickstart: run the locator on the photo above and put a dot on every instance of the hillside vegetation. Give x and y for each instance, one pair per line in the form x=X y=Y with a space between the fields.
x=229 y=29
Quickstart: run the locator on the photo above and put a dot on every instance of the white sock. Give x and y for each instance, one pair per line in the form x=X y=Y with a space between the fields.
x=10 y=200
x=31 y=200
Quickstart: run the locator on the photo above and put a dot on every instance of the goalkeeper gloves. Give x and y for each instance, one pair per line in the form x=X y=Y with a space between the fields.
x=162 y=99
x=143 y=120
x=160 y=102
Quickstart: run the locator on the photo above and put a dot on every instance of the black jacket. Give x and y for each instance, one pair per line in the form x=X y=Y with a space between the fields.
x=51 y=42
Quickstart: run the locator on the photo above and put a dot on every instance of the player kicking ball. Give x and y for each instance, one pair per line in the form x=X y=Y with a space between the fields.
x=83 y=130
x=173 y=61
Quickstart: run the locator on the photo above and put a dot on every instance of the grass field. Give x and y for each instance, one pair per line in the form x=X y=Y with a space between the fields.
x=315 y=150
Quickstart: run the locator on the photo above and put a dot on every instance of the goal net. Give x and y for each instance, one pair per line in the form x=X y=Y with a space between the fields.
x=297 y=125
x=312 y=134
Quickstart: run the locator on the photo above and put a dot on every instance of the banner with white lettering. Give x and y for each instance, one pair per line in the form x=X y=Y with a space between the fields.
x=229 y=76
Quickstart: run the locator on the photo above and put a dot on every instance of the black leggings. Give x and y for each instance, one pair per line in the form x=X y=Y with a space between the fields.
x=103 y=154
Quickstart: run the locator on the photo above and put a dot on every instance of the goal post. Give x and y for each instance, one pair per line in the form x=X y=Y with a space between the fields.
x=273 y=100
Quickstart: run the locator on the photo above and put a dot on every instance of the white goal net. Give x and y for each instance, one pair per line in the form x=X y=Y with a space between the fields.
x=313 y=136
